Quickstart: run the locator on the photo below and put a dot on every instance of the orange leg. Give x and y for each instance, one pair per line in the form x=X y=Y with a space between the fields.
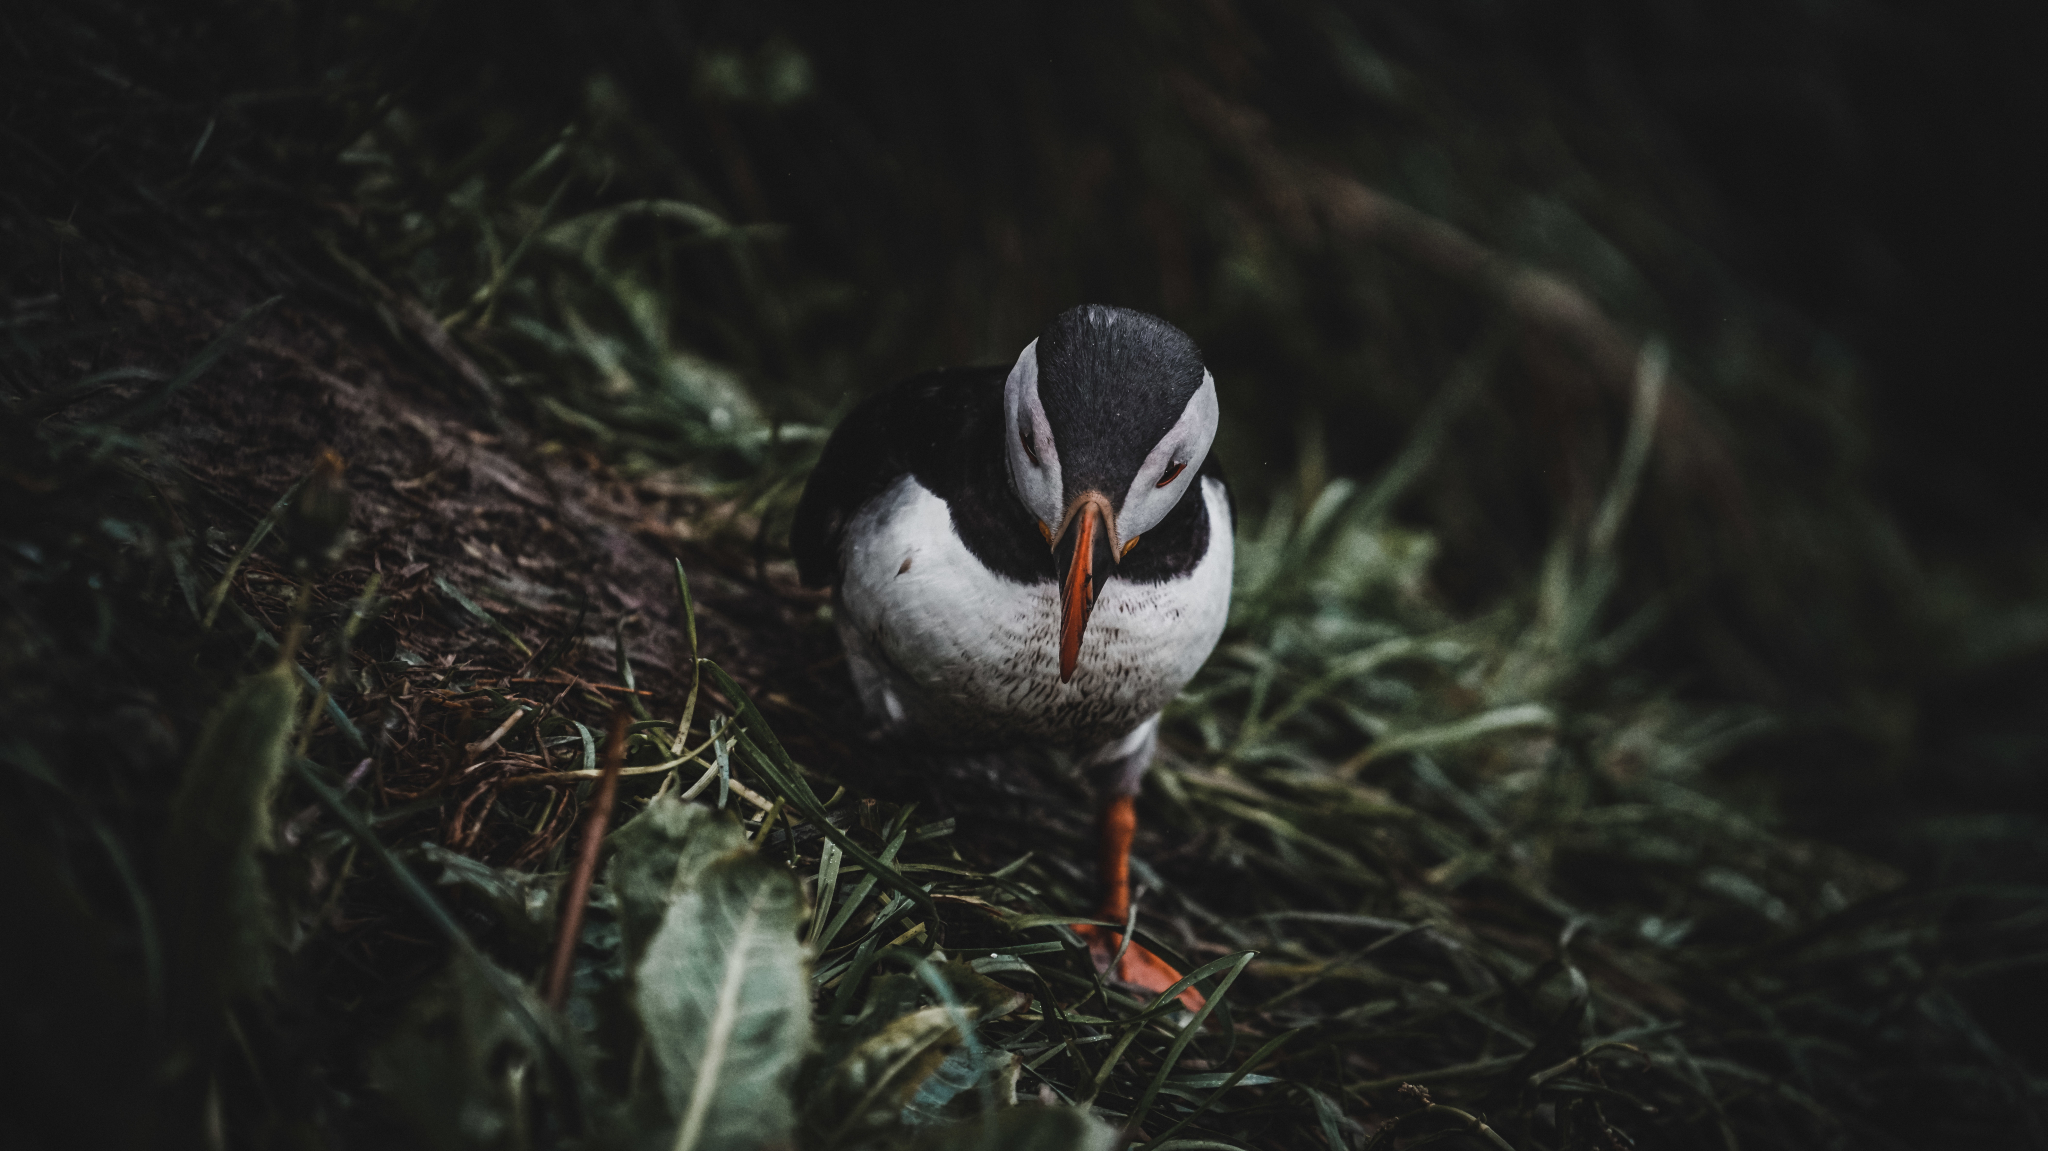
x=1116 y=827
x=1140 y=968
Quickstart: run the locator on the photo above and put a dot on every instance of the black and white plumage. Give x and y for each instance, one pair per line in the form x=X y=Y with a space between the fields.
x=946 y=513
x=1037 y=556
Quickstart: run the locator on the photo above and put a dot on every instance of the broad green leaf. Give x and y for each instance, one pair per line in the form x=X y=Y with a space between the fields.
x=726 y=1008
x=220 y=825
x=1025 y=1129
x=658 y=854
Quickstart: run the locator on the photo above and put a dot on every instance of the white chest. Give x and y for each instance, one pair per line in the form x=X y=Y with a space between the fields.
x=943 y=648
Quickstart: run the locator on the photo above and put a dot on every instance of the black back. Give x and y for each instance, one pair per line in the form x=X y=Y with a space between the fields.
x=946 y=428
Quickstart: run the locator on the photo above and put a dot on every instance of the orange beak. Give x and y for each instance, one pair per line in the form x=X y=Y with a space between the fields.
x=1086 y=549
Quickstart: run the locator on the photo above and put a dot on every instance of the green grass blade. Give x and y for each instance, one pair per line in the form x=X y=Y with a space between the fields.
x=248 y=548
x=788 y=778
x=1652 y=370
x=696 y=664
x=1187 y=1033
x=469 y=605
x=828 y=881
x=861 y=892
x=626 y=676
x=1327 y=1117
x=689 y=608
x=1264 y=1053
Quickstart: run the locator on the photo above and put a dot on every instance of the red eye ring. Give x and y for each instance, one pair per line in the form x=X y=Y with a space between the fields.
x=1030 y=449
x=1172 y=473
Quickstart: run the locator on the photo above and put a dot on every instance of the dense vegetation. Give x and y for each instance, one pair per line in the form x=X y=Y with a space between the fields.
x=404 y=405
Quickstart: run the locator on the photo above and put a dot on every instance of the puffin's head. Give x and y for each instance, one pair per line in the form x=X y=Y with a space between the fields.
x=1109 y=415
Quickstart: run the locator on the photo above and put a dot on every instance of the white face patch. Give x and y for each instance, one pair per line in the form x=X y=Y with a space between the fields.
x=1034 y=459
x=1185 y=444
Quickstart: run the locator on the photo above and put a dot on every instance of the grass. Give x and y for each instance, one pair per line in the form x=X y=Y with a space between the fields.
x=1459 y=869
x=1416 y=849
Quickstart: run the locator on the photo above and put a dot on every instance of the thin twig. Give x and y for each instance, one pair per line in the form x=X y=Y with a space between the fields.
x=585 y=684
x=490 y=741
x=578 y=891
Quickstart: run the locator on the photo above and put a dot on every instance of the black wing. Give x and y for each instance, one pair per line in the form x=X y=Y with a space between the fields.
x=914 y=426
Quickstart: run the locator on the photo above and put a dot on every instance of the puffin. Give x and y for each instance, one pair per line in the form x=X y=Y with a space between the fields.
x=1036 y=556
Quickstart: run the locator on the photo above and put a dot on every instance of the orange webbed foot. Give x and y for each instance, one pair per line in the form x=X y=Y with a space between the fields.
x=1140 y=968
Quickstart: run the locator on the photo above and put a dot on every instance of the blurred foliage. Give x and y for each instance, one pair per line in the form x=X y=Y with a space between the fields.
x=1560 y=588
x=667 y=210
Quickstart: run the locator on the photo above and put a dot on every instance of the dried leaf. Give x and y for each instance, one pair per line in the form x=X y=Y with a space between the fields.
x=875 y=1081
x=953 y=1091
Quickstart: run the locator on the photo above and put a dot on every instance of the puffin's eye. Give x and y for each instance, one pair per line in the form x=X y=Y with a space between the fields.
x=1170 y=475
x=1030 y=448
